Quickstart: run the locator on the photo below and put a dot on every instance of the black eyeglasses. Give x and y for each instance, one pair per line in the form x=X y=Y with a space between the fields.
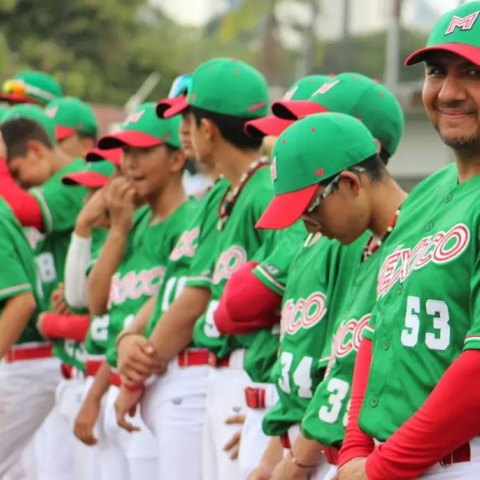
x=329 y=189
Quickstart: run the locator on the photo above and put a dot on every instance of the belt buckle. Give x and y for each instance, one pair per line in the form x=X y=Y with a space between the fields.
x=449 y=457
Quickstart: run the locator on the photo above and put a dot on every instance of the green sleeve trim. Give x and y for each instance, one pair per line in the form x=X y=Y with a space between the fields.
x=368 y=332
x=47 y=215
x=15 y=290
x=472 y=342
x=268 y=280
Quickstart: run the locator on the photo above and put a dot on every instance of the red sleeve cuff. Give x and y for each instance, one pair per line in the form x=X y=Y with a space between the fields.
x=69 y=327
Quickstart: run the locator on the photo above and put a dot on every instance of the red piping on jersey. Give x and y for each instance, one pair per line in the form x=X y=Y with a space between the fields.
x=449 y=418
x=24 y=205
x=246 y=304
x=69 y=327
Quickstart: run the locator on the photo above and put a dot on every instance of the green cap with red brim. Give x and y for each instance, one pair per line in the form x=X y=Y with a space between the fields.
x=310 y=151
x=300 y=90
x=96 y=155
x=356 y=95
x=143 y=129
x=96 y=175
x=226 y=86
x=35 y=113
x=31 y=86
x=72 y=115
x=457 y=31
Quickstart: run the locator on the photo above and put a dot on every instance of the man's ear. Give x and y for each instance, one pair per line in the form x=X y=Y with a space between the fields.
x=177 y=161
x=353 y=181
x=209 y=129
x=87 y=144
x=36 y=150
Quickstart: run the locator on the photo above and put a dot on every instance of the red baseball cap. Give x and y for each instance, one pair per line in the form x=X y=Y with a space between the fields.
x=96 y=175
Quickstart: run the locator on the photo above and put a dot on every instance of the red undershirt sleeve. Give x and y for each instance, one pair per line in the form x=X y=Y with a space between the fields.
x=69 y=327
x=246 y=304
x=24 y=205
x=357 y=443
x=422 y=441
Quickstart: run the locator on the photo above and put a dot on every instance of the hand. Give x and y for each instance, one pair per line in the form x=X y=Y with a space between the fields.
x=287 y=470
x=120 y=203
x=58 y=302
x=93 y=214
x=233 y=445
x=126 y=403
x=353 y=470
x=86 y=419
x=137 y=359
x=262 y=472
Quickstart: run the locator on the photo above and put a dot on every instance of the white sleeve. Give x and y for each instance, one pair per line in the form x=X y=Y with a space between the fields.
x=78 y=258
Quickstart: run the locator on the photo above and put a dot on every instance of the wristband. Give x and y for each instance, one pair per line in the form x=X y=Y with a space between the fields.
x=133 y=387
x=123 y=334
x=295 y=461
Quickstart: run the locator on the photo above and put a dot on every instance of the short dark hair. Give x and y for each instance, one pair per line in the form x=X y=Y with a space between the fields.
x=373 y=166
x=384 y=156
x=231 y=128
x=87 y=135
x=17 y=132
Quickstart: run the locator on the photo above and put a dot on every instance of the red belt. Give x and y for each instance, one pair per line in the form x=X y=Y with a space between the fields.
x=92 y=367
x=114 y=378
x=17 y=354
x=193 y=358
x=255 y=397
x=331 y=454
x=214 y=361
x=460 y=455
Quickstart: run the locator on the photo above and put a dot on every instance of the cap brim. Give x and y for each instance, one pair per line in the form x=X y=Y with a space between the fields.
x=61 y=133
x=169 y=107
x=285 y=209
x=295 y=109
x=130 y=138
x=270 y=125
x=96 y=155
x=469 y=52
x=18 y=98
x=86 y=179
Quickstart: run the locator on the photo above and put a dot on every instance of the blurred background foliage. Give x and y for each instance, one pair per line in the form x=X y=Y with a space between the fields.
x=102 y=50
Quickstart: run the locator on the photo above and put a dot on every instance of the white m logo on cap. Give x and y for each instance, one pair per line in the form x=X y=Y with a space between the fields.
x=326 y=87
x=465 y=23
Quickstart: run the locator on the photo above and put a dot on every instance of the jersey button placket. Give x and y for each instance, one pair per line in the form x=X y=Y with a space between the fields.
x=448 y=198
x=374 y=402
x=429 y=226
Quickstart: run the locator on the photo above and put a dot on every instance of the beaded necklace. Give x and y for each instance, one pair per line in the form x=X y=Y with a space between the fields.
x=374 y=243
x=231 y=195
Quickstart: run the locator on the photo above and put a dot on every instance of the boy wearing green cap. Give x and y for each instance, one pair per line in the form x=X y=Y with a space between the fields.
x=412 y=388
x=21 y=301
x=131 y=267
x=31 y=86
x=353 y=170
x=76 y=126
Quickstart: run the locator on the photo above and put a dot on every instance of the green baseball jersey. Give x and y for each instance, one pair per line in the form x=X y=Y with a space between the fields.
x=19 y=271
x=201 y=265
x=316 y=288
x=142 y=270
x=326 y=416
x=273 y=270
x=237 y=243
x=60 y=205
x=427 y=309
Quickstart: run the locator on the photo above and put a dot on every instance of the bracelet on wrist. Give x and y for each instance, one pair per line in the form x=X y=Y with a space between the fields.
x=132 y=387
x=123 y=334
